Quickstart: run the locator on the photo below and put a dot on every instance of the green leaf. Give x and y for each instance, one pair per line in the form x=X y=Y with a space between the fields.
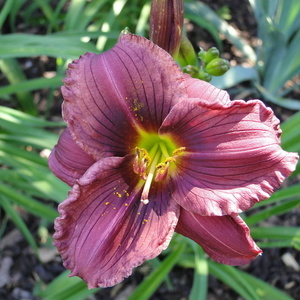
x=289 y=236
x=47 y=11
x=30 y=204
x=278 y=209
x=108 y=22
x=230 y=276
x=154 y=280
x=20 y=224
x=143 y=20
x=65 y=288
x=22 y=45
x=6 y=8
x=13 y=72
x=74 y=14
x=248 y=287
x=23 y=119
x=200 y=281
x=280 y=195
x=284 y=102
x=25 y=129
x=194 y=10
x=287 y=17
x=31 y=85
x=234 y=76
x=290 y=133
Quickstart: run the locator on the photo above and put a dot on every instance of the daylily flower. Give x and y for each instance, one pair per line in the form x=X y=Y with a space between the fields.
x=149 y=151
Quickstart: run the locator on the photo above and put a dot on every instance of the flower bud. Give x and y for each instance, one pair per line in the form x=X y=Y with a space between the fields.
x=204 y=76
x=217 y=67
x=192 y=70
x=202 y=55
x=211 y=54
x=166 y=22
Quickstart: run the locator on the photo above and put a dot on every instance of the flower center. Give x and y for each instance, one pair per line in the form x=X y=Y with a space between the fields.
x=155 y=157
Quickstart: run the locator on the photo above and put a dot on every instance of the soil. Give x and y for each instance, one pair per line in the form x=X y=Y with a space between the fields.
x=20 y=270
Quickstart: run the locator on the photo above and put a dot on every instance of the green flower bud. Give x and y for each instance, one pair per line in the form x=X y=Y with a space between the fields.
x=202 y=55
x=217 y=67
x=204 y=76
x=192 y=70
x=211 y=54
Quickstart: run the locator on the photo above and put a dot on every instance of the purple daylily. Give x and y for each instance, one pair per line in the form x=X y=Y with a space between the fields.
x=149 y=151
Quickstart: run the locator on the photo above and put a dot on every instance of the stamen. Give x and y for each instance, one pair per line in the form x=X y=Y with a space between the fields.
x=141 y=162
x=178 y=151
x=154 y=165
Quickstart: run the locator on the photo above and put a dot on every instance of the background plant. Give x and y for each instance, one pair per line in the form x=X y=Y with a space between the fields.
x=275 y=58
x=51 y=33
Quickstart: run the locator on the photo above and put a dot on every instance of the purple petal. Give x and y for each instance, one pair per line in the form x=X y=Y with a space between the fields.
x=111 y=96
x=203 y=90
x=233 y=156
x=104 y=230
x=67 y=160
x=225 y=239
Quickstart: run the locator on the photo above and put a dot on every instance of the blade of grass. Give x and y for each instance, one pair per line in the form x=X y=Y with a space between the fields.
x=21 y=45
x=23 y=119
x=56 y=14
x=31 y=85
x=194 y=10
x=290 y=133
x=280 y=195
x=155 y=263
x=20 y=224
x=110 y=19
x=278 y=209
x=154 y=280
x=200 y=280
x=90 y=11
x=230 y=277
x=36 y=177
x=48 y=12
x=249 y=287
x=13 y=72
x=65 y=288
x=143 y=20
x=284 y=102
x=4 y=12
x=286 y=235
x=30 y=204
x=287 y=17
x=74 y=13
x=15 y=10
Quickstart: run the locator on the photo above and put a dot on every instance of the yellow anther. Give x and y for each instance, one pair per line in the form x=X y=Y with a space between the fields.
x=178 y=151
x=160 y=166
x=170 y=159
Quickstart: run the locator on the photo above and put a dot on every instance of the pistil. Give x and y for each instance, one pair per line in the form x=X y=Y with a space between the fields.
x=150 y=176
